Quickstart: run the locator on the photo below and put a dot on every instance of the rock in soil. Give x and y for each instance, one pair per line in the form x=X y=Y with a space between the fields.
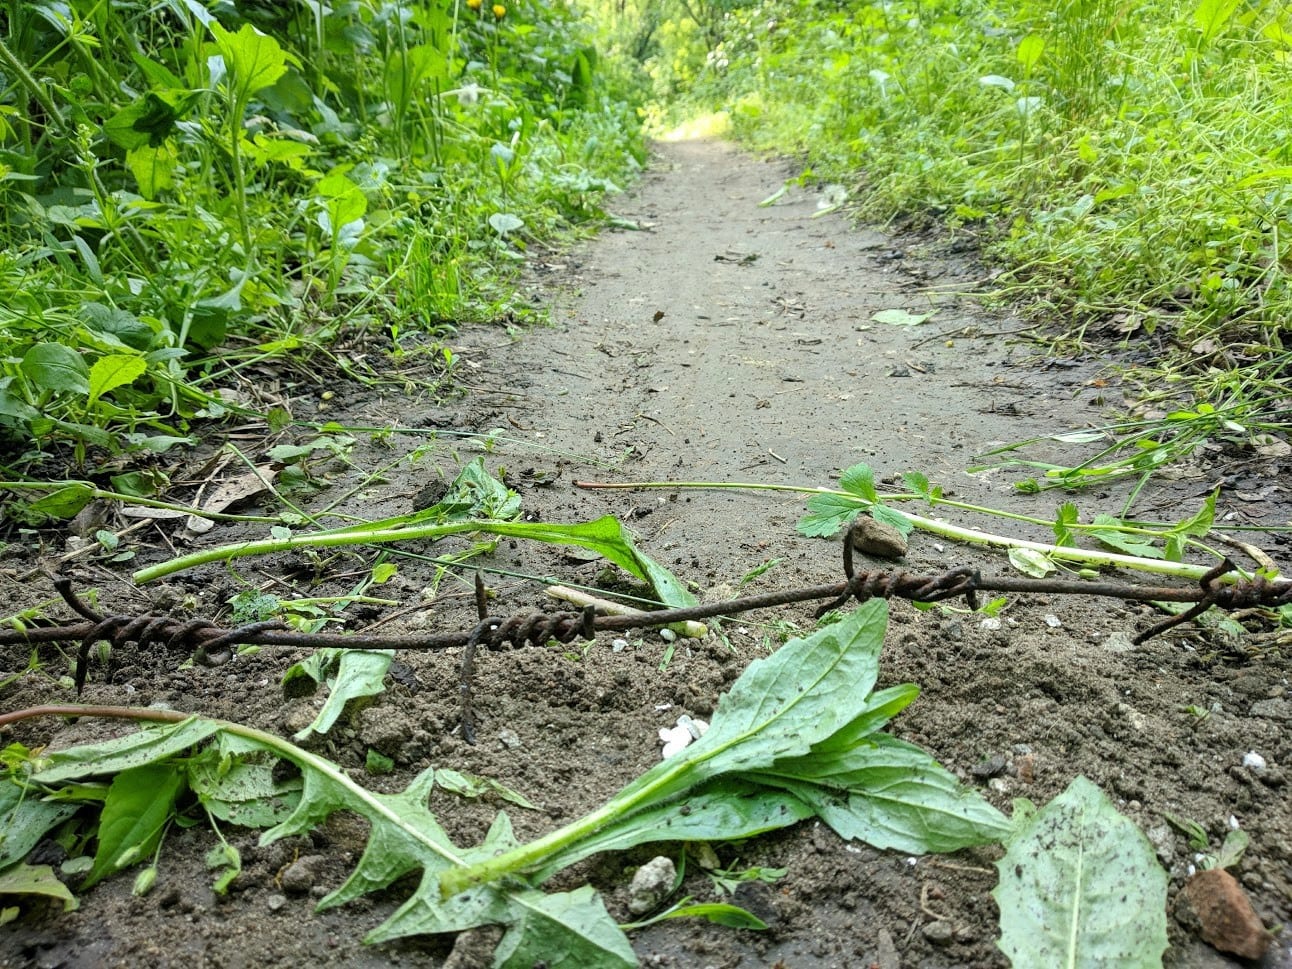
x=1224 y=914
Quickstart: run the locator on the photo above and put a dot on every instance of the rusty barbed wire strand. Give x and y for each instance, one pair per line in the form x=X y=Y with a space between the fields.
x=204 y=637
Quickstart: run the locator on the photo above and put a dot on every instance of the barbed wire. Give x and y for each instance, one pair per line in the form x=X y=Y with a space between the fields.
x=212 y=643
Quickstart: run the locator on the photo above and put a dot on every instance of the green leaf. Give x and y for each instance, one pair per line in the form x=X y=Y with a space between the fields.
x=504 y=222
x=1029 y=52
x=1031 y=562
x=570 y=930
x=828 y=513
x=140 y=801
x=1108 y=530
x=63 y=503
x=892 y=795
x=359 y=673
x=859 y=480
x=719 y=913
x=1212 y=16
x=24 y=819
x=243 y=793
x=53 y=366
x=148 y=121
x=724 y=810
x=126 y=327
x=228 y=860
x=900 y=317
x=472 y=785
x=1201 y=521
x=893 y=517
x=148 y=746
x=1064 y=519
x=112 y=371
x=36 y=880
x=255 y=60
x=153 y=168
x=1080 y=886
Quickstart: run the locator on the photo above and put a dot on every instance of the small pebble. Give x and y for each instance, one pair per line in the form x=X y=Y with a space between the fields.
x=668 y=635
x=275 y=901
x=509 y=738
x=938 y=933
x=1054 y=622
x=1253 y=761
x=618 y=645
x=651 y=885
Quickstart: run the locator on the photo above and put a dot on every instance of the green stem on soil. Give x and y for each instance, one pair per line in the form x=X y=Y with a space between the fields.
x=101 y=494
x=286 y=750
x=957 y=533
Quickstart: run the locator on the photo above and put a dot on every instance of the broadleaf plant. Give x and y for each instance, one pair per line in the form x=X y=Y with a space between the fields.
x=796 y=736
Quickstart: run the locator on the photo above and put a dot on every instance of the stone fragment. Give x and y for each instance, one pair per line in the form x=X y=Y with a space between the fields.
x=1224 y=914
x=651 y=885
x=877 y=538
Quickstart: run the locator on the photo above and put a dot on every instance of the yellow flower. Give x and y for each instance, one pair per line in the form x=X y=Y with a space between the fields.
x=499 y=11
x=474 y=4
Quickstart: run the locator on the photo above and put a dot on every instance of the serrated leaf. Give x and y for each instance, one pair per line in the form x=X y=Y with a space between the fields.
x=859 y=480
x=139 y=803
x=893 y=517
x=245 y=794
x=112 y=371
x=1081 y=886
x=1031 y=562
x=569 y=930
x=828 y=513
x=256 y=60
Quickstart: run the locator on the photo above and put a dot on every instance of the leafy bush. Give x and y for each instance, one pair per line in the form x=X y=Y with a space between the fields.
x=187 y=190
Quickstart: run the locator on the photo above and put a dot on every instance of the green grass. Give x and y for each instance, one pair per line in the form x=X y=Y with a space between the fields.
x=1126 y=164
x=185 y=195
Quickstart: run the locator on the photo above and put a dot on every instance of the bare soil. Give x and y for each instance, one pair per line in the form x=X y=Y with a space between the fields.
x=722 y=341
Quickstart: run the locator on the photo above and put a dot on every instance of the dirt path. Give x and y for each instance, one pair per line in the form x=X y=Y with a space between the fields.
x=730 y=342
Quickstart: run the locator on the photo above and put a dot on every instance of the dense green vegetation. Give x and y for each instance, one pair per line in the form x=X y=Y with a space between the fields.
x=1127 y=163
x=189 y=189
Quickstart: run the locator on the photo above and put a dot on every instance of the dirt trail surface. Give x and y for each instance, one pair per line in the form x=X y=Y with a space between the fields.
x=720 y=342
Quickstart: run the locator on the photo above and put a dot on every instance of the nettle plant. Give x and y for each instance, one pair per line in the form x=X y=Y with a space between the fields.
x=252 y=179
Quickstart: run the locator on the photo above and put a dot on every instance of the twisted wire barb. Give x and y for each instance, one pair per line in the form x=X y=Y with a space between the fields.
x=210 y=642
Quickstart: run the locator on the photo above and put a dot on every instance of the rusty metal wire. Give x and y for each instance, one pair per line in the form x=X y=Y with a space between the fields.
x=210 y=642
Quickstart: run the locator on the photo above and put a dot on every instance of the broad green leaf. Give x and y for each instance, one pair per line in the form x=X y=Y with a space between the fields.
x=24 y=819
x=140 y=801
x=1064 y=519
x=570 y=930
x=148 y=746
x=1081 y=886
x=880 y=707
x=893 y=517
x=1110 y=531
x=63 y=503
x=723 y=810
x=53 y=366
x=255 y=60
x=112 y=371
x=782 y=704
x=359 y=673
x=1029 y=52
x=900 y=317
x=1212 y=16
x=36 y=880
x=1031 y=562
x=859 y=480
x=243 y=793
x=343 y=200
x=504 y=222
x=126 y=327
x=890 y=794
x=1201 y=521
x=153 y=168
x=828 y=513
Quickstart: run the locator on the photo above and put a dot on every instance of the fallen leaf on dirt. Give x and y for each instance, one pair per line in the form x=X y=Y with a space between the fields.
x=900 y=317
x=228 y=493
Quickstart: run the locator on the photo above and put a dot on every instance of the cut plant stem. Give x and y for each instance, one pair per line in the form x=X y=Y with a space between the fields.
x=957 y=533
x=690 y=629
